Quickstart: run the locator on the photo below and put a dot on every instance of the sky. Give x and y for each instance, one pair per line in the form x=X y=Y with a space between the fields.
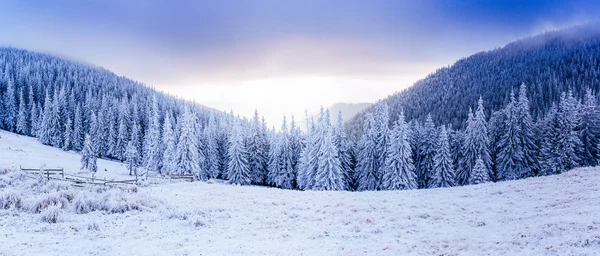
x=279 y=57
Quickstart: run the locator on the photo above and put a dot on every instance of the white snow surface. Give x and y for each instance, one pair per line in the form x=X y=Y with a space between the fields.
x=553 y=215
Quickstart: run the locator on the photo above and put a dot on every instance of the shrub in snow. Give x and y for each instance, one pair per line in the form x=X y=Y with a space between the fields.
x=197 y=221
x=45 y=201
x=11 y=199
x=86 y=202
x=52 y=214
x=93 y=226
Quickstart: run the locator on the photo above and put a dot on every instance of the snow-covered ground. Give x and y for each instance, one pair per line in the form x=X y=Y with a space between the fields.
x=554 y=215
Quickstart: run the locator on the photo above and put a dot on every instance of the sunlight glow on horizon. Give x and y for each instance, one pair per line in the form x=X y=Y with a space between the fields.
x=289 y=96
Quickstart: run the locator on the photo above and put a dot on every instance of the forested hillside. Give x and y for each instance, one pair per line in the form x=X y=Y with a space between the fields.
x=549 y=64
x=62 y=102
x=530 y=109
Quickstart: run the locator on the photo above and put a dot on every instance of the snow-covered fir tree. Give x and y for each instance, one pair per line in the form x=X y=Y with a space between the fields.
x=78 y=132
x=344 y=152
x=10 y=107
x=399 y=170
x=443 y=167
x=257 y=156
x=131 y=156
x=211 y=155
x=480 y=173
x=475 y=145
x=330 y=174
x=22 y=126
x=152 y=143
x=281 y=172
x=88 y=156
x=366 y=166
x=68 y=135
x=427 y=141
x=186 y=155
x=560 y=144
x=169 y=163
x=589 y=129
x=238 y=170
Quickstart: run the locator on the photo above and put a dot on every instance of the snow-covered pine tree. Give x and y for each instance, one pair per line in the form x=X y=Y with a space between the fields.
x=94 y=136
x=35 y=122
x=239 y=172
x=68 y=134
x=22 y=127
x=399 y=170
x=257 y=157
x=78 y=132
x=475 y=145
x=131 y=158
x=426 y=152
x=54 y=123
x=560 y=142
x=344 y=152
x=366 y=166
x=330 y=175
x=10 y=107
x=152 y=145
x=88 y=156
x=284 y=175
x=382 y=134
x=480 y=173
x=168 y=140
x=304 y=162
x=295 y=146
x=443 y=168
x=589 y=129
x=32 y=112
x=530 y=148
x=510 y=161
x=211 y=156
x=186 y=154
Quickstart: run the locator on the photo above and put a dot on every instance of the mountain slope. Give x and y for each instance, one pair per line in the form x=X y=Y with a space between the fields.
x=536 y=216
x=548 y=64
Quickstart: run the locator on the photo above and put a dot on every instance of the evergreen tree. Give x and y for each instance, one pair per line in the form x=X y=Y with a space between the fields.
x=257 y=156
x=22 y=127
x=344 y=152
x=131 y=156
x=382 y=134
x=10 y=107
x=443 y=168
x=212 y=158
x=54 y=123
x=511 y=157
x=426 y=152
x=152 y=140
x=399 y=170
x=168 y=140
x=589 y=129
x=122 y=140
x=68 y=134
x=35 y=122
x=366 y=167
x=239 y=172
x=560 y=142
x=186 y=155
x=475 y=145
x=330 y=175
x=88 y=156
x=32 y=111
x=78 y=131
x=281 y=171
x=480 y=173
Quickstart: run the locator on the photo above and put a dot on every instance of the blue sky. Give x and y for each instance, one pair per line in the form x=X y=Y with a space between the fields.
x=243 y=55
